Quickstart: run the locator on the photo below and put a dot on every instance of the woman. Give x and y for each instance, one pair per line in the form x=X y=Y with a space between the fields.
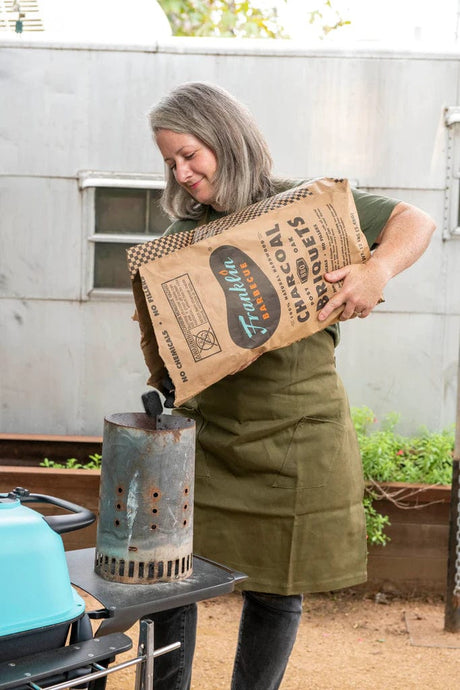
x=279 y=482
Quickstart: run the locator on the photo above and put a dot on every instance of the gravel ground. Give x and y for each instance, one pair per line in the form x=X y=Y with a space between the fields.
x=346 y=641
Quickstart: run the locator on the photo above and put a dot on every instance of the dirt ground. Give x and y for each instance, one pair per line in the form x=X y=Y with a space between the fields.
x=346 y=640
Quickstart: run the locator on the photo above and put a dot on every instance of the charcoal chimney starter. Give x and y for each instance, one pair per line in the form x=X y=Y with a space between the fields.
x=145 y=526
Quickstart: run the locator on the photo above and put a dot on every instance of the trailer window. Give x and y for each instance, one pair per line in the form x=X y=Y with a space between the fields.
x=116 y=218
x=132 y=214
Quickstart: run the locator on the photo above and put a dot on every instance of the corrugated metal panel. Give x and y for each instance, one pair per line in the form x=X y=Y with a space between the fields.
x=345 y=117
x=66 y=365
x=41 y=238
x=377 y=118
x=404 y=363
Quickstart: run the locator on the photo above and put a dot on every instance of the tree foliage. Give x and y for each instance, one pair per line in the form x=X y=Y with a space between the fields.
x=236 y=19
x=326 y=18
x=246 y=18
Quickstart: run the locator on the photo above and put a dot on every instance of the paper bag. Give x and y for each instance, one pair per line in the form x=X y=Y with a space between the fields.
x=211 y=300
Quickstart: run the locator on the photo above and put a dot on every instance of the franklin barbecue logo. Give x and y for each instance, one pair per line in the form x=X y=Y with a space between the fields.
x=253 y=307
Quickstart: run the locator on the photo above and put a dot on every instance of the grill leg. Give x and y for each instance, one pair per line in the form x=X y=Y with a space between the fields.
x=144 y=672
x=81 y=630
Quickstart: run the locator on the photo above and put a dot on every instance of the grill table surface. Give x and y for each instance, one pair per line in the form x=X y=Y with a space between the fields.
x=125 y=604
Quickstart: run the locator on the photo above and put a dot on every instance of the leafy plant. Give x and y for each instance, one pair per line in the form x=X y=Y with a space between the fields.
x=375 y=521
x=327 y=19
x=74 y=464
x=243 y=18
x=387 y=456
x=239 y=18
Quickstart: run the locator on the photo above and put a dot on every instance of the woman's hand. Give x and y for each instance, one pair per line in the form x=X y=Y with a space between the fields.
x=362 y=289
x=402 y=241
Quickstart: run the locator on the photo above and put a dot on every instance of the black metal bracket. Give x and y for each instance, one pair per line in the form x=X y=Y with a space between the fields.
x=57 y=665
x=77 y=664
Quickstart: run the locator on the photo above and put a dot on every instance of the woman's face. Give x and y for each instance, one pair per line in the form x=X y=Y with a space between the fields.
x=193 y=164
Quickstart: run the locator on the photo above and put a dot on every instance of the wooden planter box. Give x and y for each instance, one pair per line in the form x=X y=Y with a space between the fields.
x=415 y=558
x=27 y=450
x=78 y=486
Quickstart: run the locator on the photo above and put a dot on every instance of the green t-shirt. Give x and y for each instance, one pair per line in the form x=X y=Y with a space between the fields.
x=373 y=213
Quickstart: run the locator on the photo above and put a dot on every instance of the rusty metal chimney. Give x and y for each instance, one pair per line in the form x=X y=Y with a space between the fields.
x=145 y=527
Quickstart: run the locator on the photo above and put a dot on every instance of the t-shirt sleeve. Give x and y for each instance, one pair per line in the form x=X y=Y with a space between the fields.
x=373 y=213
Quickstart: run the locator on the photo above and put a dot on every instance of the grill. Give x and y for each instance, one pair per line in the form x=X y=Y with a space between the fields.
x=37 y=601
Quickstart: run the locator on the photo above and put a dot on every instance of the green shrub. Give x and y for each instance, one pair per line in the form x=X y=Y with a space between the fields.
x=74 y=464
x=387 y=456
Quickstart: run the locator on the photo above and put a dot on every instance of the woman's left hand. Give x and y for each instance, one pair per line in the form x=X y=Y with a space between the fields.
x=402 y=241
x=362 y=289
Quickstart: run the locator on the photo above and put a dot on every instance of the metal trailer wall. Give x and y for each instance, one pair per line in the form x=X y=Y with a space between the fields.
x=69 y=358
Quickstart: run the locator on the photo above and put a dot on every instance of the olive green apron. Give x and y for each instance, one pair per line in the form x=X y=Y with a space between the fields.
x=279 y=482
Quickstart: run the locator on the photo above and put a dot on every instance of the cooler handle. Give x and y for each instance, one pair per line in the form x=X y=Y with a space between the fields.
x=81 y=517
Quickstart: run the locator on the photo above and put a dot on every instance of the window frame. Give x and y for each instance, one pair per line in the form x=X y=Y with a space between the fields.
x=88 y=182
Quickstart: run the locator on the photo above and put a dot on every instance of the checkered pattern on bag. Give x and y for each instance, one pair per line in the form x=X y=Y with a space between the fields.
x=251 y=212
x=147 y=252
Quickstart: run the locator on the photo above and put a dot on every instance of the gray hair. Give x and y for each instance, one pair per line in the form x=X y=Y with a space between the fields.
x=223 y=124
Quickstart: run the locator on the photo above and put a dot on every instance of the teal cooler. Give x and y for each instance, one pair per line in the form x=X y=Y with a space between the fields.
x=37 y=602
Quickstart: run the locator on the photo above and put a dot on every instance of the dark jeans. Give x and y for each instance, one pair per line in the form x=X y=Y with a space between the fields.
x=173 y=671
x=268 y=629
